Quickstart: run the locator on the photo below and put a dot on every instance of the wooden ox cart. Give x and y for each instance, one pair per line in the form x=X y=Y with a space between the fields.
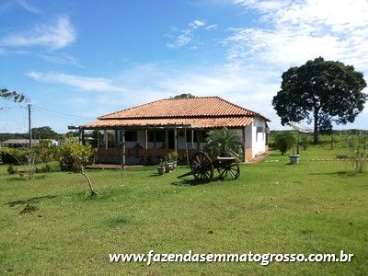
x=203 y=167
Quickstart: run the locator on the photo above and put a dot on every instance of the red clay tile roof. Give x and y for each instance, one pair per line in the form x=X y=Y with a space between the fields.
x=205 y=112
x=199 y=106
x=189 y=122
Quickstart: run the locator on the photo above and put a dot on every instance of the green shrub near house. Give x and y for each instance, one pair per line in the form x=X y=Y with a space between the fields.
x=223 y=142
x=72 y=155
x=284 y=142
x=14 y=156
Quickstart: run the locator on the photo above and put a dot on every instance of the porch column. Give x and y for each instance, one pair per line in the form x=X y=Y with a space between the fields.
x=123 y=147
x=82 y=141
x=243 y=143
x=186 y=145
x=145 y=144
x=146 y=139
x=198 y=144
x=166 y=139
x=154 y=139
x=106 y=139
x=176 y=139
x=192 y=139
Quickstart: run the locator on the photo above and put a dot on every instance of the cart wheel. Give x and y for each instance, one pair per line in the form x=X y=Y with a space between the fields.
x=229 y=172
x=202 y=167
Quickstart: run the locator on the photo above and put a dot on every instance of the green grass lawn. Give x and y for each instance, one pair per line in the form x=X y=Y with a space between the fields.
x=273 y=207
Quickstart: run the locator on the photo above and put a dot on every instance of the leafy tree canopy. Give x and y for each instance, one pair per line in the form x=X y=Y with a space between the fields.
x=184 y=96
x=320 y=91
x=12 y=95
x=44 y=132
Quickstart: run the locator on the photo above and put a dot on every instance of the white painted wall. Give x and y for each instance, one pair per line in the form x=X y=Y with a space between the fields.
x=258 y=138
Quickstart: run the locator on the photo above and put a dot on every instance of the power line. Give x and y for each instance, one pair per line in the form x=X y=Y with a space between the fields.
x=63 y=113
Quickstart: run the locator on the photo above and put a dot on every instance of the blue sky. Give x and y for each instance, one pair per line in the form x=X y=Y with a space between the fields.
x=76 y=60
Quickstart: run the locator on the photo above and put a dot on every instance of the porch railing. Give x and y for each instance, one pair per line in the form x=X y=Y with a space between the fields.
x=136 y=156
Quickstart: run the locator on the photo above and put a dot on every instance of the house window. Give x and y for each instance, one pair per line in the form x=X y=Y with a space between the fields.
x=200 y=136
x=156 y=136
x=130 y=136
x=189 y=136
x=259 y=130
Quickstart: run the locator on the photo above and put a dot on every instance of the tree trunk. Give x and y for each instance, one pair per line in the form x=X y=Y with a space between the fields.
x=92 y=191
x=316 y=128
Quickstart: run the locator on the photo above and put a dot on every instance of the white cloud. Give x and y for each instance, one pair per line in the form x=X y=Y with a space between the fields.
x=55 y=36
x=60 y=58
x=195 y=24
x=211 y=27
x=263 y=5
x=79 y=82
x=301 y=30
x=27 y=6
x=283 y=48
x=185 y=36
x=7 y=5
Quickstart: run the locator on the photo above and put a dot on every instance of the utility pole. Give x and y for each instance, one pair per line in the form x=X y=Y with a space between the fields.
x=29 y=125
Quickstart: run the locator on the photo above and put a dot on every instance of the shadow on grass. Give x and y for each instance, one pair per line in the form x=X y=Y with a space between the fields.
x=28 y=209
x=26 y=178
x=155 y=174
x=29 y=200
x=194 y=182
x=339 y=173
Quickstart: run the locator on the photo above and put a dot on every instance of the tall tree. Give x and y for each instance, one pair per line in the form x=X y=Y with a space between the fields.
x=44 y=133
x=320 y=91
x=12 y=95
x=184 y=96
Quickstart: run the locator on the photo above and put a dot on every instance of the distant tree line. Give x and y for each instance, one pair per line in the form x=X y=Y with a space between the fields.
x=44 y=132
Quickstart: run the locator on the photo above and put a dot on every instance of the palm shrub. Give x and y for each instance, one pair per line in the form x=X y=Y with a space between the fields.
x=223 y=142
x=284 y=142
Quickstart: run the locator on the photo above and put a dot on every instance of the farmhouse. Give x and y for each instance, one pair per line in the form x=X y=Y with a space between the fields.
x=19 y=143
x=145 y=133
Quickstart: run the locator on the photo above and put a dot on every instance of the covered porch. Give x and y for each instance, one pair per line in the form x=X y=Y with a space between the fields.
x=148 y=145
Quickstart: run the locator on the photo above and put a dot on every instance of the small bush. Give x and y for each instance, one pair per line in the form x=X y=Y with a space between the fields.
x=305 y=142
x=14 y=156
x=285 y=142
x=73 y=156
x=45 y=169
x=11 y=170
